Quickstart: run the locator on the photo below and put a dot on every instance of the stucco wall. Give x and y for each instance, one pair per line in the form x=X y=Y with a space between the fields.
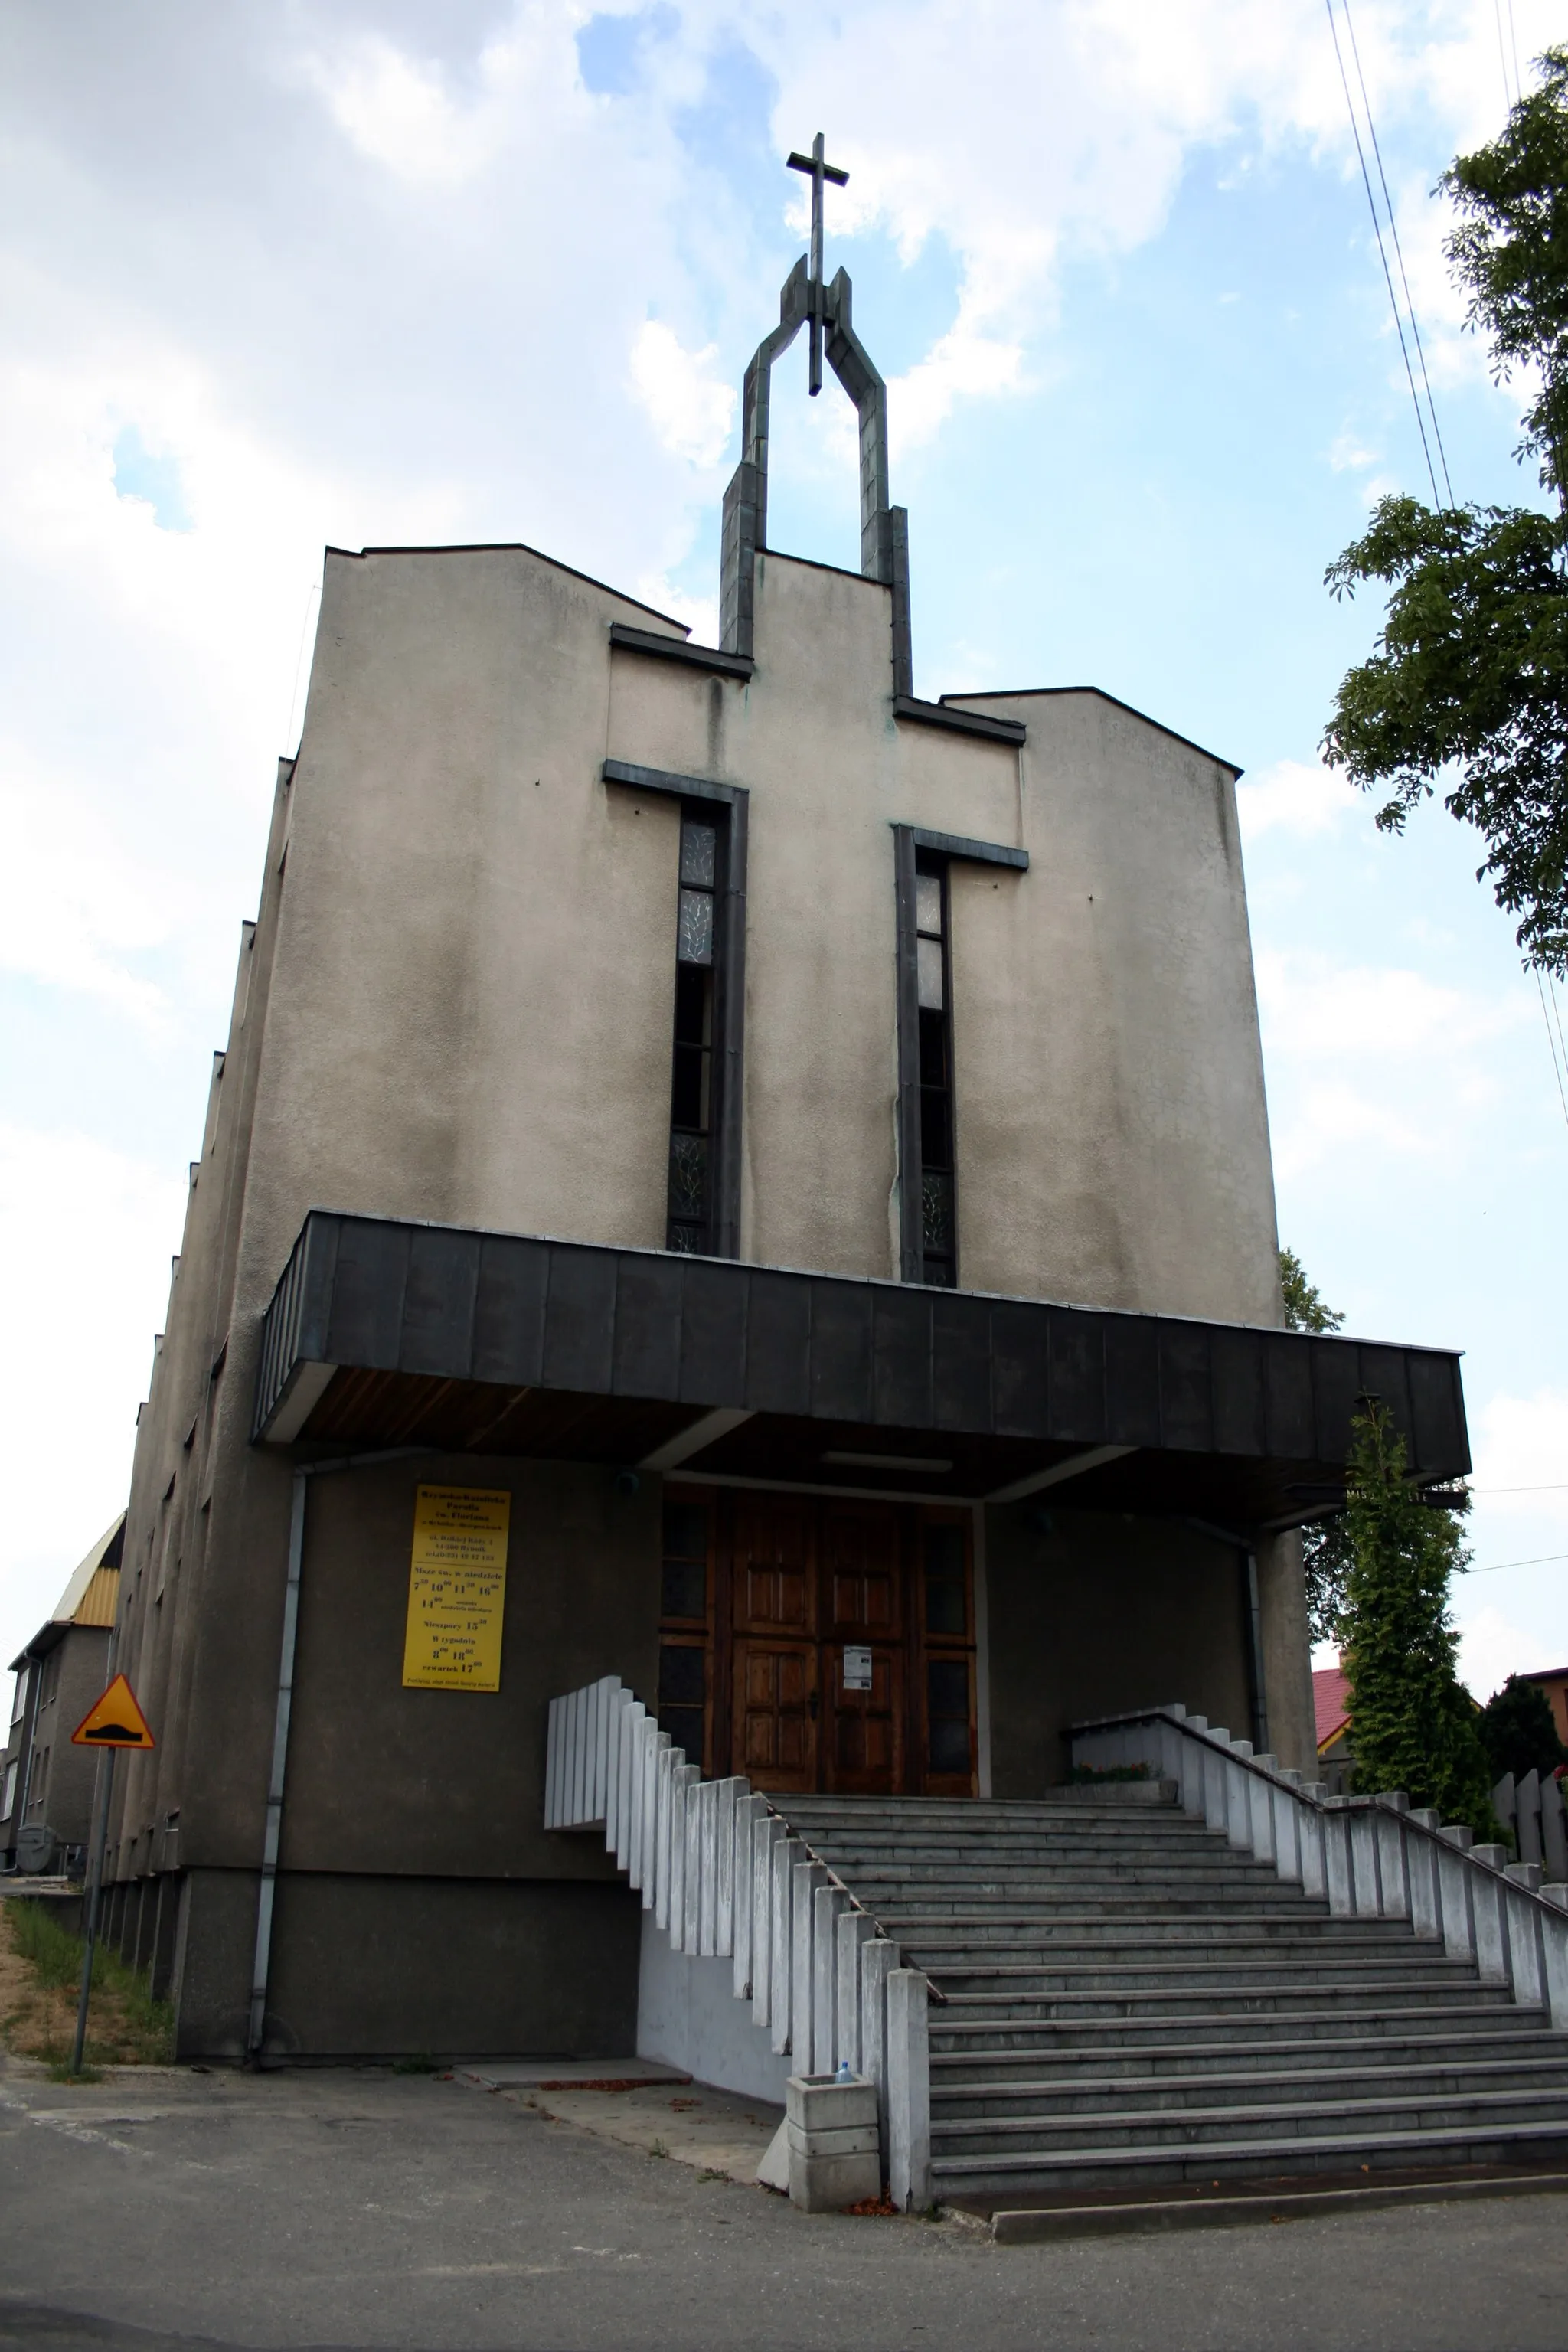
x=1091 y=1612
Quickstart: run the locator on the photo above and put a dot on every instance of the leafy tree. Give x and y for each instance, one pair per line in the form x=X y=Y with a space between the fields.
x=1413 y=1725
x=1518 y=1731
x=1325 y=1543
x=1470 y=672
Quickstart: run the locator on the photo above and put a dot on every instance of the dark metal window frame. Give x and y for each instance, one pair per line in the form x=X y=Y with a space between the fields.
x=909 y=842
x=729 y=804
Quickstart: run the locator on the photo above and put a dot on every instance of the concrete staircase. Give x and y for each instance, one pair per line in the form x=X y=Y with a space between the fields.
x=1124 y=1999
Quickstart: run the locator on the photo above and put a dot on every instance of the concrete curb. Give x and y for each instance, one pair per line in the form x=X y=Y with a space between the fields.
x=1027 y=2227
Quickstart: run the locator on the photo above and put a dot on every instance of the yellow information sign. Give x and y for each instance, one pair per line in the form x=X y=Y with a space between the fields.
x=457 y=1588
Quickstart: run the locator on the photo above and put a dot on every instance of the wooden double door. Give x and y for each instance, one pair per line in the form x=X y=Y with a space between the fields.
x=836 y=1641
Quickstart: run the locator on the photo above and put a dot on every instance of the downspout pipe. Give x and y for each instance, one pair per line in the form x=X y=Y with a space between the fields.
x=262 y=1965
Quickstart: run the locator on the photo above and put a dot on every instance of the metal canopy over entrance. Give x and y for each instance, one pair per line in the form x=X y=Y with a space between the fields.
x=390 y=1333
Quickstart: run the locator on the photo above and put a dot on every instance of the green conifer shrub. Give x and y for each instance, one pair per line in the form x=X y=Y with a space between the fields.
x=1413 y=1725
x=1519 y=1732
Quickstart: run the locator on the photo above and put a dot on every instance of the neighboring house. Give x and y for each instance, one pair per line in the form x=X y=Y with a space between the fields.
x=45 y=1782
x=1553 y=1680
x=1331 y=1706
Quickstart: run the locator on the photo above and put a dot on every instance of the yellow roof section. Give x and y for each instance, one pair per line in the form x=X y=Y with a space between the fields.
x=89 y=1599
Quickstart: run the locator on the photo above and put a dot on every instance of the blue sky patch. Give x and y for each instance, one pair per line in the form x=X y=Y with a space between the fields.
x=138 y=474
x=609 y=48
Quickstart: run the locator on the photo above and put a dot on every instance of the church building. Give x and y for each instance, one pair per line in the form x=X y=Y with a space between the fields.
x=726 y=1174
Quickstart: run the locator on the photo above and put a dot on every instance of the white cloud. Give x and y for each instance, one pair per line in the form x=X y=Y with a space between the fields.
x=1491 y=1647
x=691 y=408
x=82 y=1290
x=1520 y=1448
x=76 y=906
x=1299 y=797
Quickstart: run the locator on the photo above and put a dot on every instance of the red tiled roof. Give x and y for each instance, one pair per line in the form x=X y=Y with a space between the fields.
x=1330 y=1703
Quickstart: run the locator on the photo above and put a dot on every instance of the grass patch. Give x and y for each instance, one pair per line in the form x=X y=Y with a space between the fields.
x=40 y=1976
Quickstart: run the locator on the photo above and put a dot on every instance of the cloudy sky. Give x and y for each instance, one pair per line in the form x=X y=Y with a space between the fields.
x=277 y=273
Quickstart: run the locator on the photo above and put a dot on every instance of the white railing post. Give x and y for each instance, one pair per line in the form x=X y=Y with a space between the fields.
x=1421 y=1869
x=1366 y=1897
x=1393 y=1841
x=766 y=1834
x=1287 y=1812
x=667 y=1755
x=828 y=1902
x=808 y=1877
x=851 y=1932
x=909 y=2091
x=727 y=1797
x=1193 y=1766
x=878 y=1959
x=1555 y=1956
x=1237 y=1798
x=1216 y=1781
x=1488 y=1915
x=1553 y=1833
x=1454 y=1891
x=749 y=1810
x=781 y=1926
x=1314 y=1852
x=691 y=1906
x=682 y=1777
x=1520 y=1881
x=1261 y=1798
x=1337 y=1859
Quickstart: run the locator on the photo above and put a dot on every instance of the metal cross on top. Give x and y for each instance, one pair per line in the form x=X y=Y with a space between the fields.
x=819 y=171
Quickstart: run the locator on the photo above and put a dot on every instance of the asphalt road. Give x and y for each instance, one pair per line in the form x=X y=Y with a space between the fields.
x=356 y=2208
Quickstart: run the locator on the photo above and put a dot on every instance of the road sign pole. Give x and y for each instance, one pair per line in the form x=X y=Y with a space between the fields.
x=94 y=1886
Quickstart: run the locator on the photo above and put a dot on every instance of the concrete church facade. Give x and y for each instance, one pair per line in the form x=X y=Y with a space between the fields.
x=804 y=1148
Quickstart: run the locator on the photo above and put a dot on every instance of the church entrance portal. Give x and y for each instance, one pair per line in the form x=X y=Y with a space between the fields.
x=819 y=1643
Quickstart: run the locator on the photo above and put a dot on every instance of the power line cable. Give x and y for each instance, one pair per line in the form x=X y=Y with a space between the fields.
x=1552 y=1043
x=1501 y=51
x=1556 y=1004
x=1399 y=252
x=1383 y=256
x=1513 y=44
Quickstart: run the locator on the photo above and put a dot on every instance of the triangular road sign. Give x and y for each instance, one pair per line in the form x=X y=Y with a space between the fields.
x=114 y=1721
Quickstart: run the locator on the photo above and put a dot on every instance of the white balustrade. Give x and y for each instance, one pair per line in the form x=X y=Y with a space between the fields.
x=725 y=1878
x=1374 y=1857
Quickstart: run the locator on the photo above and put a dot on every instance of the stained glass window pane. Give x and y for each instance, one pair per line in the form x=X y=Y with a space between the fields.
x=695 y=937
x=936 y=1212
x=699 y=845
x=688 y=1176
x=927 y=974
x=928 y=903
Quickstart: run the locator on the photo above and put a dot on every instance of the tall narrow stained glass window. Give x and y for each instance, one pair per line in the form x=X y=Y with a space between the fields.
x=939 y=1221
x=690 y=1209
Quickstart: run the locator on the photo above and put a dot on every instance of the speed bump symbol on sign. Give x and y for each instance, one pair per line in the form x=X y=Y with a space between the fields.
x=114 y=1721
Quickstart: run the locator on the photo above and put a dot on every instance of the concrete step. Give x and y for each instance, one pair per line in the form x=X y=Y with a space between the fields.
x=1241 y=1999
x=955 y=2031
x=1151 y=1888
x=980 y=2174
x=1203 y=1970
x=1232 y=2123
x=1134 y=1908
x=999 y=1943
x=1237 y=2053
x=1086 y=2093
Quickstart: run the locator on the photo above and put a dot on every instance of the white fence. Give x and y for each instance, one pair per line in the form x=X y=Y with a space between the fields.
x=1532 y=1809
x=724 y=1878
x=1370 y=1858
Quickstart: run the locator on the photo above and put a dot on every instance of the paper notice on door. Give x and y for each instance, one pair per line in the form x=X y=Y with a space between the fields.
x=857 y=1668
